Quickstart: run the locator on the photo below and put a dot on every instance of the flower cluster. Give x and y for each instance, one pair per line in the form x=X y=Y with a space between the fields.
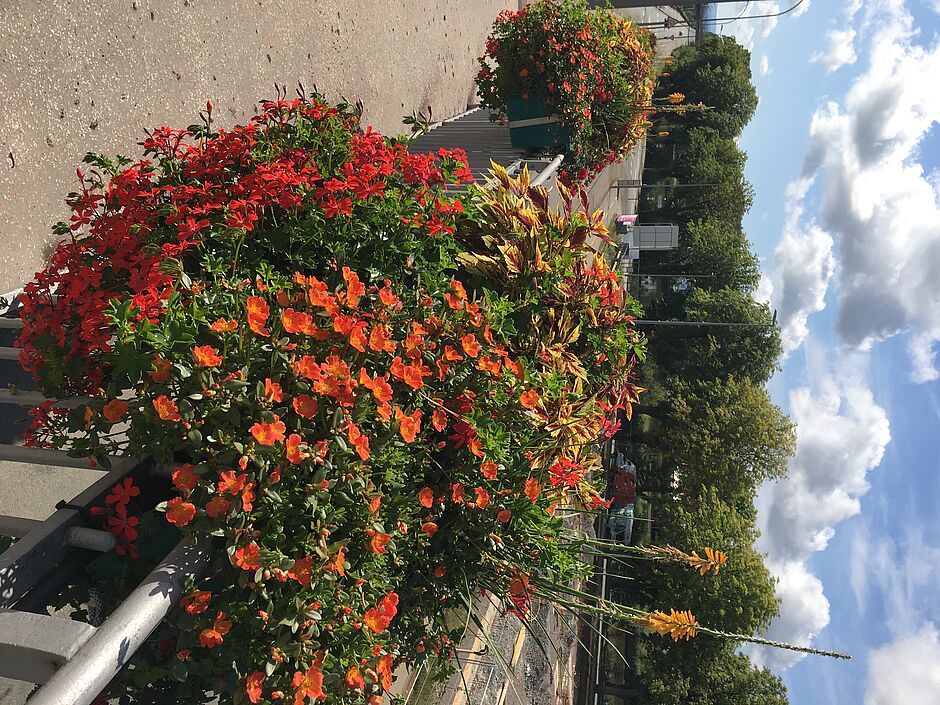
x=371 y=409
x=593 y=68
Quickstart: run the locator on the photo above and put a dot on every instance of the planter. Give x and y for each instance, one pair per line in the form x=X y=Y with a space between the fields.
x=533 y=125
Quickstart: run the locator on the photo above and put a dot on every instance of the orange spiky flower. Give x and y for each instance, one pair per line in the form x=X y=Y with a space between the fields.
x=712 y=561
x=678 y=625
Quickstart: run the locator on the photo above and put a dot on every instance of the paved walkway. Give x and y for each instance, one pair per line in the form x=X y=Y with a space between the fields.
x=90 y=75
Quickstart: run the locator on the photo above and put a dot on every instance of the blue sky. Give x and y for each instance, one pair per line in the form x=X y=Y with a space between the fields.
x=844 y=154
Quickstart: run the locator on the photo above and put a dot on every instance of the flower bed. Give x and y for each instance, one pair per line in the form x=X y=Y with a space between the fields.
x=593 y=69
x=373 y=395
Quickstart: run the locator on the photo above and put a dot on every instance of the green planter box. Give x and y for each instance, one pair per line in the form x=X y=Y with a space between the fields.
x=533 y=125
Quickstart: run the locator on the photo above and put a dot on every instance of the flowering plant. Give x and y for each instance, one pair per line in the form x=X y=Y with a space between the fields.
x=371 y=395
x=592 y=67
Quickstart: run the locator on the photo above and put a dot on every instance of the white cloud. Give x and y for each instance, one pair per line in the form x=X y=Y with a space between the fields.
x=878 y=201
x=840 y=50
x=841 y=436
x=906 y=671
x=802 y=268
x=804 y=612
x=764 y=66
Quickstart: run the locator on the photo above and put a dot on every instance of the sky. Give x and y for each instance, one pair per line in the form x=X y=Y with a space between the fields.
x=844 y=155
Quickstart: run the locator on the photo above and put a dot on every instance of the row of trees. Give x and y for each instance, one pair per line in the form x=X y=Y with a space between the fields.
x=707 y=423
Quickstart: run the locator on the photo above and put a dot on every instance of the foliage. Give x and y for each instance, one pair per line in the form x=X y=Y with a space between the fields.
x=593 y=68
x=368 y=418
x=714 y=247
x=717 y=72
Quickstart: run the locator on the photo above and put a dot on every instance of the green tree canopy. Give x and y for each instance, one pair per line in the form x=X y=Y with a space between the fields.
x=723 y=434
x=712 y=246
x=716 y=72
x=714 y=352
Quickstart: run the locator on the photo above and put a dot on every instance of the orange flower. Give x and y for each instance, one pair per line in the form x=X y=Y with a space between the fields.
x=532 y=489
x=375 y=503
x=179 y=513
x=429 y=527
x=426 y=497
x=294 y=454
x=213 y=636
x=483 y=498
x=217 y=506
x=357 y=336
x=379 y=386
x=258 y=314
x=440 y=571
x=379 y=541
x=489 y=468
x=247 y=557
x=296 y=321
x=515 y=367
x=354 y=288
x=359 y=440
x=222 y=325
x=248 y=496
x=387 y=296
x=185 y=479
x=161 y=371
x=166 y=408
x=385 y=411
x=439 y=419
x=338 y=564
x=300 y=571
x=305 y=406
x=504 y=516
x=384 y=670
x=379 y=340
x=456 y=493
x=196 y=602
x=354 y=679
x=470 y=345
x=309 y=684
x=414 y=374
x=267 y=434
x=114 y=410
x=253 y=686
x=408 y=425
x=230 y=482
x=451 y=354
x=379 y=617
x=272 y=391
x=206 y=356
x=530 y=399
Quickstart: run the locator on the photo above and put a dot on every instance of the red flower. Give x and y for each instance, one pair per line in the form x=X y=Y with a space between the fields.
x=359 y=441
x=429 y=527
x=483 y=498
x=122 y=525
x=230 y=482
x=180 y=513
x=489 y=469
x=122 y=492
x=532 y=489
x=161 y=371
x=217 y=506
x=379 y=617
x=354 y=679
x=267 y=434
x=206 y=356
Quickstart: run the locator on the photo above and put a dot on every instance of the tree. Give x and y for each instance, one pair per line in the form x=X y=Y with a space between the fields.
x=708 y=158
x=714 y=352
x=726 y=435
x=716 y=72
x=712 y=246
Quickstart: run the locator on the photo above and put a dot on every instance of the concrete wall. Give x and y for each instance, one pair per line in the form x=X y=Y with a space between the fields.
x=90 y=75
